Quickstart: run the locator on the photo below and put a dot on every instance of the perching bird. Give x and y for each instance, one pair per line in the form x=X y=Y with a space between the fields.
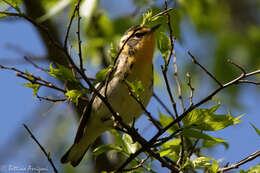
x=133 y=64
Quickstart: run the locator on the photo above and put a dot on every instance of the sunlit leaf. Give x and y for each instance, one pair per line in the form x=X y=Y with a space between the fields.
x=35 y=87
x=201 y=162
x=214 y=167
x=62 y=73
x=170 y=149
x=146 y=17
x=164 y=45
x=74 y=95
x=210 y=164
x=206 y=119
x=131 y=146
x=199 y=135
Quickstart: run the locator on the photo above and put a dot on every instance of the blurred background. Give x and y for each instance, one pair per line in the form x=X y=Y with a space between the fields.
x=213 y=30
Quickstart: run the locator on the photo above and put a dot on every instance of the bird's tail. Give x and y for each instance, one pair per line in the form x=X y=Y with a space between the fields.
x=75 y=154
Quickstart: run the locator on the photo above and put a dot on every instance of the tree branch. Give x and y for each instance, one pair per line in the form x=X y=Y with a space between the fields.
x=42 y=148
x=245 y=160
x=204 y=69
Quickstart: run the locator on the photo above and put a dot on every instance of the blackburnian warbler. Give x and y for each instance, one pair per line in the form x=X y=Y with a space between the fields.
x=133 y=64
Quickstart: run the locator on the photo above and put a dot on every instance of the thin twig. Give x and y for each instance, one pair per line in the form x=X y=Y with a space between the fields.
x=162 y=104
x=141 y=164
x=170 y=33
x=34 y=64
x=204 y=69
x=41 y=147
x=204 y=100
x=50 y=99
x=33 y=79
x=150 y=117
x=165 y=139
x=245 y=160
x=238 y=66
x=129 y=159
x=177 y=79
x=162 y=13
x=69 y=27
x=249 y=82
x=191 y=89
x=79 y=40
x=191 y=151
x=172 y=52
x=169 y=92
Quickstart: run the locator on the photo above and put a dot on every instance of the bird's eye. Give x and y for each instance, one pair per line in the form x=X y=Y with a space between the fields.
x=139 y=34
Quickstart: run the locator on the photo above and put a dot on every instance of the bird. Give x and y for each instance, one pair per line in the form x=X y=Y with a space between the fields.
x=134 y=63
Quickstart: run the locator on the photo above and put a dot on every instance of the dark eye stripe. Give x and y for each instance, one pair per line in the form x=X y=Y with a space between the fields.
x=140 y=34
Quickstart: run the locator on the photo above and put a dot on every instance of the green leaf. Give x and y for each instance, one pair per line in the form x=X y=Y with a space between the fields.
x=113 y=53
x=256 y=129
x=201 y=162
x=14 y=3
x=206 y=119
x=205 y=162
x=172 y=144
x=199 y=135
x=214 y=167
x=29 y=75
x=130 y=145
x=211 y=144
x=62 y=73
x=117 y=138
x=136 y=87
x=171 y=149
x=165 y=120
x=164 y=45
x=147 y=17
x=35 y=87
x=101 y=75
x=74 y=95
x=105 y=148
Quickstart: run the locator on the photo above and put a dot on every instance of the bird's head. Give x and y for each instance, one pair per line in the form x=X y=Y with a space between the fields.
x=139 y=41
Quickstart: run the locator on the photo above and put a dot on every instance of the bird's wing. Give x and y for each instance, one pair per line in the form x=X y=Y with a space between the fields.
x=83 y=121
x=122 y=61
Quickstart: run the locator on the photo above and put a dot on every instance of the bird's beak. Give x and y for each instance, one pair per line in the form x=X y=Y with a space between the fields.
x=155 y=28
